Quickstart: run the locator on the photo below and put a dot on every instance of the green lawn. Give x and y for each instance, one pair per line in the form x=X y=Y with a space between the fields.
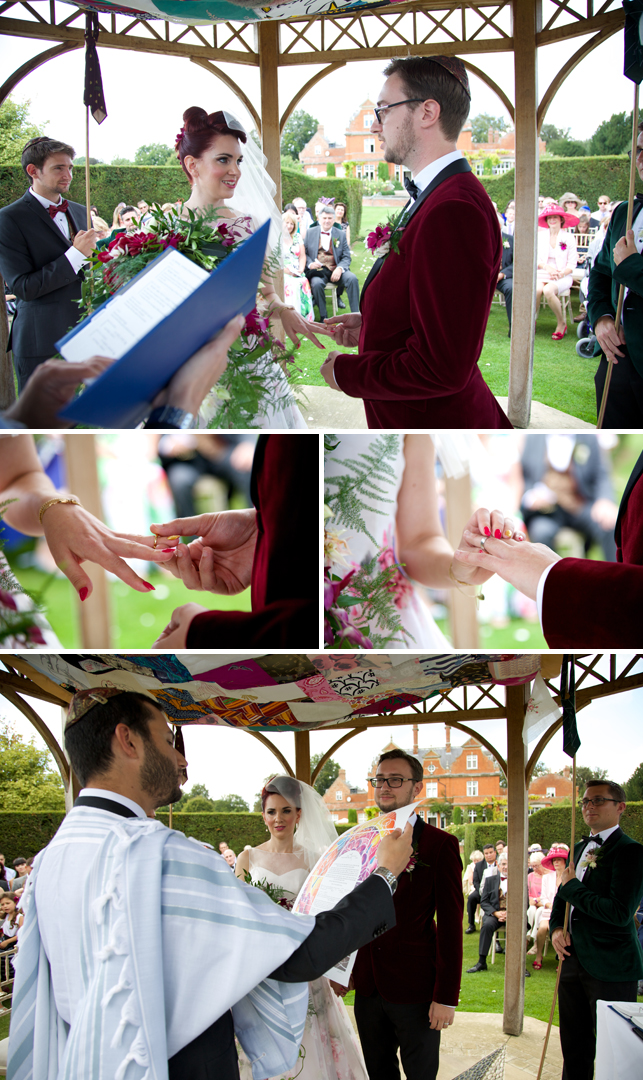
x=561 y=378
x=137 y=618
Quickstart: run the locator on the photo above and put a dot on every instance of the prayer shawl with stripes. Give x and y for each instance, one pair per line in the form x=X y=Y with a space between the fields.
x=170 y=940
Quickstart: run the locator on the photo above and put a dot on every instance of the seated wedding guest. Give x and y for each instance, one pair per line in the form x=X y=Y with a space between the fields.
x=568 y=486
x=178 y=930
x=222 y=846
x=296 y=285
x=5 y=879
x=99 y=224
x=467 y=875
x=534 y=886
x=12 y=920
x=186 y=457
x=10 y=873
x=571 y=204
x=54 y=384
x=254 y=547
x=510 y=220
x=473 y=899
x=304 y=217
x=582 y=229
x=556 y=261
x=552 y=866
x=500 y=847
x=23 y=870
x=493 y=902
x=604 y=208
x=328 y=259
x=130 y=219
x=116 y=216
x=341 y=219
x=230 y=857
x=144 y=211
x=505 y=283
x=44 y=244
x=582 y=603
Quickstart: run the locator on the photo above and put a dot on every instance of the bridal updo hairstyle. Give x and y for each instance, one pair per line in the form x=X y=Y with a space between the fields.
x=199 y=131
x=286 y=786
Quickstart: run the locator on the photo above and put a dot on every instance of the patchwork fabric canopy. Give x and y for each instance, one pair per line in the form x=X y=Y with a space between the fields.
x=282 y=691
x=200 y=12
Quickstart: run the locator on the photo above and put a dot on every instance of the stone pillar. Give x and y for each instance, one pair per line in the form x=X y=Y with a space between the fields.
x=526 y=16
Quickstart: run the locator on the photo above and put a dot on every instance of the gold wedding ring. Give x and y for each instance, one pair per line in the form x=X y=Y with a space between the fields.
x=156 y=540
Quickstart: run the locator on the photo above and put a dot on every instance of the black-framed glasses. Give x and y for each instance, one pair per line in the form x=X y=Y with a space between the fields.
x=392 y=781
x=382 y=108
x=598 y=801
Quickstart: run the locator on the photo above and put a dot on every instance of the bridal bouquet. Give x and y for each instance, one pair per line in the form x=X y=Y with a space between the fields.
x=244 y=389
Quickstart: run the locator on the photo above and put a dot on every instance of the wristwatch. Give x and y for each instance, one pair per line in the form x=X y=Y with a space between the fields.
x=167 y=416
x=388 y=876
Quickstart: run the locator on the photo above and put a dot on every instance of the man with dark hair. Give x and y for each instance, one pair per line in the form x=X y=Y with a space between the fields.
x=407 y=984
x=418 y=357
x=328 y=259
x=473 y=898
x=152 y=915
x=601 y=954
x=44 y=243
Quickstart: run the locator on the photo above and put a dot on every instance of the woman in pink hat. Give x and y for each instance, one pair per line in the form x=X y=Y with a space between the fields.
x=554 y=863
x=556 y=261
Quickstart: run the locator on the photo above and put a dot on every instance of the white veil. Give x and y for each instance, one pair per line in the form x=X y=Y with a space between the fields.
x=315 y=831
x=255 y=193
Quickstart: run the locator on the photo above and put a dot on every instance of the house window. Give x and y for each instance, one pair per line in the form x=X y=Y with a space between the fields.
x=431 y=769
x=369 y=172
x=318 y=149
x=368 y=119
x=369 y=146
x=358 y=172
x=472 y=762
x=472 y=787
x=506 y=815
x=472 y=816
x=432 y=791
x=361 y=817
x=551 y=792
x=339 y=795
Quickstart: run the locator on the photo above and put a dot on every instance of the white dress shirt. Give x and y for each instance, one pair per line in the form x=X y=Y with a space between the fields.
x=76 y=257
x=429 y=172
x=591 y=846
x=324 y=239
x=101 y=793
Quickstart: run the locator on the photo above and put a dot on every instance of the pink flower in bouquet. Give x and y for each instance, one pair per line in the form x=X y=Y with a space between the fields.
x=35 y=635
x=256 y=325
x=399 y=585
x=332 y=589
x=380 y=236
x=7 y=600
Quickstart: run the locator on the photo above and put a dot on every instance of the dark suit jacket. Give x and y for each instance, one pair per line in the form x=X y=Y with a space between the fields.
x=285 y=608
x=507 y=264
x=34 y=265
x=338 y=239
x=361 y=917
x=490 y=895
x=604 y=282
x=589 y=604
x=415 y=962
x=478 y=871
x=418 y=352
x=605 y=902
x=589 y=466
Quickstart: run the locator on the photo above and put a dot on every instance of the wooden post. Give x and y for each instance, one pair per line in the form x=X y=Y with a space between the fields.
x=82 y=475
x=268 y=33
x=302 y=756
x=7 y=384
x=516 y=698
x=464 y=624
x=525 y=23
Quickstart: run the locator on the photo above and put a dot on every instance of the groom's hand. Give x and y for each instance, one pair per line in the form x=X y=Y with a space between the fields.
x=345 y=329
x=395 y=850
x=220 y=561
x=521 y=564
x=441 y=1016
x=481 y=526
x=327 y=370
x=175 y=634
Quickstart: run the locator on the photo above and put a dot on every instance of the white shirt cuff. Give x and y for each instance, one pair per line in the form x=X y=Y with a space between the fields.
x=539 y=593
x=76 y=258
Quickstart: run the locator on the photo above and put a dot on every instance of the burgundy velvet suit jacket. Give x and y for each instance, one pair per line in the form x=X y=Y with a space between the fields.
x=415 y=962
x=285 y=570
x=425 y=315
x=589 y=604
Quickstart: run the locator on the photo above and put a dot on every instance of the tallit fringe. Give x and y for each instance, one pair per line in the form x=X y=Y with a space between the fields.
x=137 y=1053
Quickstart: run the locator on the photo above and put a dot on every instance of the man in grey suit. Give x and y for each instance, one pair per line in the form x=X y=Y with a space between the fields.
x=328 y=258
x=44 y=244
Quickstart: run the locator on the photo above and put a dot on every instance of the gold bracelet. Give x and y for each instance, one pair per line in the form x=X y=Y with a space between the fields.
x=456 y=581
x=57 y=499
x=284 y=307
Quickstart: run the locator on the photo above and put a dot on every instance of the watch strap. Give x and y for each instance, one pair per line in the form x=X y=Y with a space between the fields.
x=388 y=876
x=168 y=416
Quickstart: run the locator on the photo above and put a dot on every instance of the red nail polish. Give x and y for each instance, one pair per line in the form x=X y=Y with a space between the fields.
x=498 y=534
x=164 y=551
x=147 y=585
x=487 y=531
x=83 y=592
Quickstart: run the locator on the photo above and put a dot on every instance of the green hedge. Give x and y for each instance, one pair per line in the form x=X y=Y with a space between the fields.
x=589 y=177
x=486 y=832
x=554 y=823
x=111 y=184
x=27 y=834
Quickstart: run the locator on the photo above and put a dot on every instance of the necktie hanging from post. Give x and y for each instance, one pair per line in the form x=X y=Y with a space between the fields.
x=632 y=69
x=93 y=98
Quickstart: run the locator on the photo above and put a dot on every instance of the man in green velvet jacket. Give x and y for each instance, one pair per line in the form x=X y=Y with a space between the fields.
x=619 y=262
x=602 y=958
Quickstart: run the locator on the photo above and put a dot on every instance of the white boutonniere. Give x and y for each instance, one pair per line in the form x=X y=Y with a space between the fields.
x=335 y=243
x=590 y=861
x=506 y=244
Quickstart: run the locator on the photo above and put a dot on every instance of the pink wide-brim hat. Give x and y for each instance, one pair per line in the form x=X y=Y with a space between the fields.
x=550 y=211
x=554 y=853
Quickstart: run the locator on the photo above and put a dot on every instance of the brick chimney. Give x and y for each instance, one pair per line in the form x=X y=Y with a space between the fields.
x=341 y=775
x=447 y=736
x=415 y=739
x=566 y=773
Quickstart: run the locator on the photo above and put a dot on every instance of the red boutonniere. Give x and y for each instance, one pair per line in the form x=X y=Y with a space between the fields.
x=413 y=862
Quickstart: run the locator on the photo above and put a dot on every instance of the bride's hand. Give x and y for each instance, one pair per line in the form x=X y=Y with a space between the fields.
x=294 y=324
x=480 y=526
x=521 y=564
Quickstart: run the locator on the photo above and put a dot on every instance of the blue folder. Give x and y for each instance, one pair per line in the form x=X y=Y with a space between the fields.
x=121 y=396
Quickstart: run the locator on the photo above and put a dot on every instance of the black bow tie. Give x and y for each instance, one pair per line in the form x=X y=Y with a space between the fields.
x=598 y=840
x=411 y=187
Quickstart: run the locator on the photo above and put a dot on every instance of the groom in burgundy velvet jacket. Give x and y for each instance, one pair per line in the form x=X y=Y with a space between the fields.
x=407 y=982
x=424 y=307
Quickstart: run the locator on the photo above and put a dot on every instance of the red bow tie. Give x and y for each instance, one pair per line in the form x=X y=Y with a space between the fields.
x=61 y=208
x=326 y=233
